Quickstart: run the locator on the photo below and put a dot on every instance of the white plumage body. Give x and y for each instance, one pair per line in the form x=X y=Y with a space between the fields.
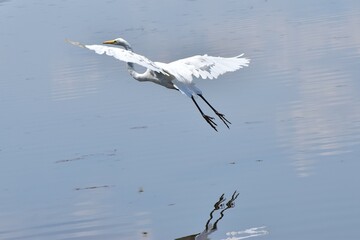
x=174 y=75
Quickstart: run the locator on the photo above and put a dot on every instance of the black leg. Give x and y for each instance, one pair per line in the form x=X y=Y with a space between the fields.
x=208 y=119
x=220 y=115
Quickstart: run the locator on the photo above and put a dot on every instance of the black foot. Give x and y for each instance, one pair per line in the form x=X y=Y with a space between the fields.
x=210 y=121
x=222 y=117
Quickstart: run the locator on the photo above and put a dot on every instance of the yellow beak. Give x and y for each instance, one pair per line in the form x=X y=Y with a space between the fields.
x=109 y=42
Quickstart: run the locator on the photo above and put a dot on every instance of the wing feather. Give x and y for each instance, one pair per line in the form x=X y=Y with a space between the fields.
x=122 y=55
x=204 y=66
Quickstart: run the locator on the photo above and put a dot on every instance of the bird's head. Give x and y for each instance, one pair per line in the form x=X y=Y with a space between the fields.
x=119 y=42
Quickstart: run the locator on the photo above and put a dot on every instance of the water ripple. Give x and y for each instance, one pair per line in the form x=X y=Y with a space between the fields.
x=76 y=80
x=86 y=228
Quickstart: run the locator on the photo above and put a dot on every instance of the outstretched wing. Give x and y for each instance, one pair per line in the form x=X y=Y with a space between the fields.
x=122 y=55
x=204 y=66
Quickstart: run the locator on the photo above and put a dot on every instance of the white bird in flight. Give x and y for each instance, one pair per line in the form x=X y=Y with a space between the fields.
x=176 y=75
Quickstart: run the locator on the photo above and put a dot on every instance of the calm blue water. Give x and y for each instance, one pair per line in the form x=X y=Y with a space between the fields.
x=88 y=153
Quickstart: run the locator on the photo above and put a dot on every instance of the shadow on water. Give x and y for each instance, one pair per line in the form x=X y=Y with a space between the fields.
x=212 y=227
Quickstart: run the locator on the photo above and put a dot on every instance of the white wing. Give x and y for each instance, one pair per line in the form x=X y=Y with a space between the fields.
x=122 y=55
x=204 y=66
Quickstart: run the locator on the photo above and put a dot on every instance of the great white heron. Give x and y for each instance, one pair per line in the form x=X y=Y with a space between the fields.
x=176 y=75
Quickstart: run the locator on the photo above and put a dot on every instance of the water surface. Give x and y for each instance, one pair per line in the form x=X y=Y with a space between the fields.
x=88 y=153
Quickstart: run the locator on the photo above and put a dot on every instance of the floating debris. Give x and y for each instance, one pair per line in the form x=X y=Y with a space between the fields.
x=92 y=187
x=110 y=153
x=139 y=127
x=253 y=122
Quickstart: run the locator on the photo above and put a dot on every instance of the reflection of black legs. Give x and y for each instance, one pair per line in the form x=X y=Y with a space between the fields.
x=217 y=206
x=208 y=119
x=220 y=115
x=229 y=204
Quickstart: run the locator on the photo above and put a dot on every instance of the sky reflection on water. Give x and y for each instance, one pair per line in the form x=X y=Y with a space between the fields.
x=80 y=139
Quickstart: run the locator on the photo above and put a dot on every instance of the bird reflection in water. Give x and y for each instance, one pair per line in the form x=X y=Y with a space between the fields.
x=235 y=235
x=210 y=228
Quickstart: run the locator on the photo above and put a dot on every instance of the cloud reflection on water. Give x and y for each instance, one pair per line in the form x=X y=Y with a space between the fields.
x=324 y=86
